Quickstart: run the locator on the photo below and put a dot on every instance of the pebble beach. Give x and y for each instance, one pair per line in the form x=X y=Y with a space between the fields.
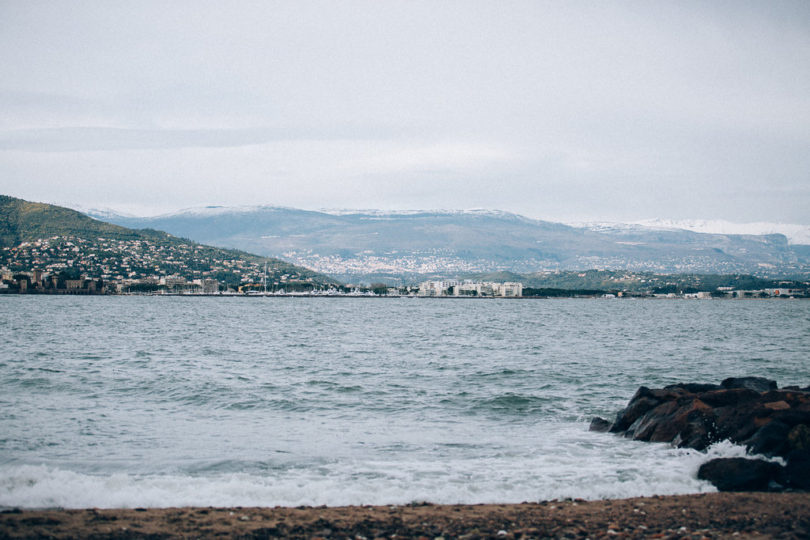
x=707 y=515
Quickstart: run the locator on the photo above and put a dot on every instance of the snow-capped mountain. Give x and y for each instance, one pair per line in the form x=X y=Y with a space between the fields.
x=796 y=234
x=360 y=244
x=102 y=214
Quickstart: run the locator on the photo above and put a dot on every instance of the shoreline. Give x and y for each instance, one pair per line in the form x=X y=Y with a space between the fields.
x=373 y=296
x=712 y=515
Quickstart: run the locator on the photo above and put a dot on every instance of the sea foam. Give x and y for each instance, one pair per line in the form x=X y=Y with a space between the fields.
x=607 y=467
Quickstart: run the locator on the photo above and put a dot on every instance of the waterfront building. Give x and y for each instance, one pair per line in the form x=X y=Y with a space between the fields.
x=470 y=288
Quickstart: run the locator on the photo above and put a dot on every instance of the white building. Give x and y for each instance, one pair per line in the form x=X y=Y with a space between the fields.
x=436 y=288
x=470 y=288
x=510 y=288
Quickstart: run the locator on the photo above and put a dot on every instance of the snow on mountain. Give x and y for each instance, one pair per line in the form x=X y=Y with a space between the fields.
x=217 y=210
x=102 y=214
x=796 y=234
x=416 y=212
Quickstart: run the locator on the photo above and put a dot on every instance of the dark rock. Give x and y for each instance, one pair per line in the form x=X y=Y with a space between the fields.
x=695 y=388
x=729 y=396
x=758 y=384
x=792 y=417
x=660 y=417
x=643 y=401
x=599 y=425
x=770 y=440
x=634 y=410
x=699 y=433
x=739 y=474
x=739 y=422
x=797 y=471
x=747 y=410
x=685 y=422
x=744 y=410
x=799 y=437
x=792 y=397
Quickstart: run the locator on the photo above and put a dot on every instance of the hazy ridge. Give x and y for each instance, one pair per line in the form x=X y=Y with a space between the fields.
x=406 y=246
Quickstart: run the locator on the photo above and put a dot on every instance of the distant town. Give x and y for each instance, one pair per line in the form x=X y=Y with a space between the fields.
x=54 y=279
x=76 y=265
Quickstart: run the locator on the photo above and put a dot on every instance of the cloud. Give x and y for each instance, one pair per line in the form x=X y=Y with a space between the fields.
x=574 y=108
x=83 y=139
x=448 y=157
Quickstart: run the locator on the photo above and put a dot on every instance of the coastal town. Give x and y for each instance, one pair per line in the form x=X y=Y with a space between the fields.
x=76 y=265
x=78 y=279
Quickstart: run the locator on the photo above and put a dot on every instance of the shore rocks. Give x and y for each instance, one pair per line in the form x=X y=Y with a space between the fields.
x=751 y=411
x=740 y=474
x=599 y=424
x=797 y=470
x=757 y=384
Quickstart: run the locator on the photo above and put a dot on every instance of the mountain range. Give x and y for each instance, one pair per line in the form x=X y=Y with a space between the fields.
x=401 y=247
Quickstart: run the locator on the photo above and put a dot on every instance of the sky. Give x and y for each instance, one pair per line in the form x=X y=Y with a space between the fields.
x=565 y=111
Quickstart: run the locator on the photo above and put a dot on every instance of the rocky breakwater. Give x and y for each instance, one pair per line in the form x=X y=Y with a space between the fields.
x=751 y=411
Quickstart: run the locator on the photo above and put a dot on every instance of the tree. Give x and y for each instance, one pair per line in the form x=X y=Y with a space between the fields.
x=379 y=288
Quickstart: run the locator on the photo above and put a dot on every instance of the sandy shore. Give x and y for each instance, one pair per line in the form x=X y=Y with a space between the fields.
x=712 y=515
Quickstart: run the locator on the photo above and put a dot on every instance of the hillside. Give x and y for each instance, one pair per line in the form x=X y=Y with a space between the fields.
x=60 y=240
x=23 y=221
x=407 y=247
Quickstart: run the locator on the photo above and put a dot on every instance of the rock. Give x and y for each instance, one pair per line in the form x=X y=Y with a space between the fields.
x=777 y=405
x=695 y=388
x=686 y=422
x=739 y=474
x=699 y=433
x=696 y=415
x=757 y=384
x=599 y=425
x=729 y=396
x=797 y=471
x=792 y=417
x=745 y=410
x=642 y=402
x=770 y=440
x=799 y=437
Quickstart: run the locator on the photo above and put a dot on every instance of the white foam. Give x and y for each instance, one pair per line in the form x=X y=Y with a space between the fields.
x=584 y=465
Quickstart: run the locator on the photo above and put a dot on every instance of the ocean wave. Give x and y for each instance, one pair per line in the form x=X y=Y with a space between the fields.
x=562 y=461
x=511 y=403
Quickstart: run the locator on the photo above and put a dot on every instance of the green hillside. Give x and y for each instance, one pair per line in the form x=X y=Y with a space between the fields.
x=56 y=239
x=23 y=221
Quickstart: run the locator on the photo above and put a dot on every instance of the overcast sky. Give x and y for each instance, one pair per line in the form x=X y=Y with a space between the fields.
x=556 y=110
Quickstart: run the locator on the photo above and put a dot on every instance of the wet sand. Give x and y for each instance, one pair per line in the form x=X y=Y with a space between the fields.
x=711 y=515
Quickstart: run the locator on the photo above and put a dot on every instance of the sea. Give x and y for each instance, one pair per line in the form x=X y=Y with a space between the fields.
x=149 y=401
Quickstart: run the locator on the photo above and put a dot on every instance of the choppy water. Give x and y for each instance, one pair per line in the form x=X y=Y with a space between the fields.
x=164 y=401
